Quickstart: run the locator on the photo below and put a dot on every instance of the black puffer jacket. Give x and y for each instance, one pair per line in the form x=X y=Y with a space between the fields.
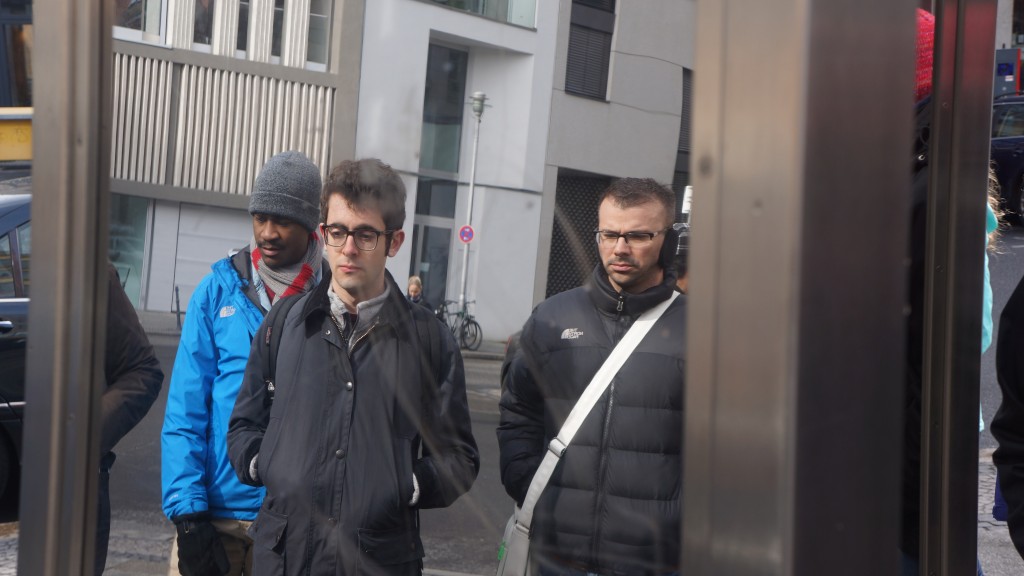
x=613 y=503
x=345 y=433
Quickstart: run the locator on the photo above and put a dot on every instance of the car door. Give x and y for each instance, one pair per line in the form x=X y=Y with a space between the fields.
x=15 y=259
x=1008 y=150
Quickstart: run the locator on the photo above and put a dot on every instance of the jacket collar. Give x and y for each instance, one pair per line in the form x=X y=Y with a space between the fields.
x=395 y=309
x=607 y=300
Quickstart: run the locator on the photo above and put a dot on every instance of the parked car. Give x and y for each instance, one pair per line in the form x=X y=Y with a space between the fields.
x=1008 y=151
x=15 y=260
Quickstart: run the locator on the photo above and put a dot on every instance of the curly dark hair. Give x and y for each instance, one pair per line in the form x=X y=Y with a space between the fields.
x=367 y=184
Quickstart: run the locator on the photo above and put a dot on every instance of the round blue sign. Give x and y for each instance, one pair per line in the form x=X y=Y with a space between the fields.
x=466 y=234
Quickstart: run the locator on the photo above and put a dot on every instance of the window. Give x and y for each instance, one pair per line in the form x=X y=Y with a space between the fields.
x=242 y=42
x=25 y=248
x=142 y=15
x=590 y=45
x=1008 y=121
x=15 y=64
x=444 y=102
x=435 y=197
x=202 y=29
x=275 y=46
x=319 y=31
x=6 y=268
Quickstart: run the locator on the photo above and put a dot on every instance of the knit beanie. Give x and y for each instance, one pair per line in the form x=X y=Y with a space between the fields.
x=288 y=186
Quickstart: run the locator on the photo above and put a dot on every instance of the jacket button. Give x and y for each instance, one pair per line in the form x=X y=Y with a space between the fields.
x=332 y=521
x=348 y=385
x=339 y=454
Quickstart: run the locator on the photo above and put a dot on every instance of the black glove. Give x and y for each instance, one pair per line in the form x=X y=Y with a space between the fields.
x=200 y=551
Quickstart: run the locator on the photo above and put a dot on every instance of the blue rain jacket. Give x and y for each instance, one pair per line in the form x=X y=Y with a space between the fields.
x=196 y=474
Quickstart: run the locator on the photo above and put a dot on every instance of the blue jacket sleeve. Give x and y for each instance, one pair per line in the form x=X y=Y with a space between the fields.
x=184 y=440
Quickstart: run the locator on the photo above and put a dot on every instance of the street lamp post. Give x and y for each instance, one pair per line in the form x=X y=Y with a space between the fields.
x=478 y=101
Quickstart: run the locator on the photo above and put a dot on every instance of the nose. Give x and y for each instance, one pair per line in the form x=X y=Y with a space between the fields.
x=269 y=231
x=621 y=245
x=349 y=247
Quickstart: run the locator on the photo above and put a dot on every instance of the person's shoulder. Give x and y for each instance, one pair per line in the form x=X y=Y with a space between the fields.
x=557 y=303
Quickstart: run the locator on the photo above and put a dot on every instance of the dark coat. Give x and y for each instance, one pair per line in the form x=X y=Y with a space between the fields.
x=1008 y=424
x=345 y=433
x=131 y=369
x=613 y=502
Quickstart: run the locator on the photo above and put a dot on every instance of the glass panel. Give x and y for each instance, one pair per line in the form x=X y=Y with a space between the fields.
x=128 y=218
x=444 y=102
x=243 y=26
x=435 y=246
x=17 y=67
x=319 y=30
x=6 y=268
x=1007 y=121
x=436 y=197
x=141 y=15
x=523 y=12
x=25 y=248
x=203 y=22
x=275 y=46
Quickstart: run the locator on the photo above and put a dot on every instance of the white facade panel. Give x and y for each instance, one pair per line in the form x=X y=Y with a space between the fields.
x=206 y=234
x=164 y=245
x=514 y=67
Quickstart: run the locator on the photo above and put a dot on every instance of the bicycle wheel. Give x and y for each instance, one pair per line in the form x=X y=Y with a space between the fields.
x=470 y=334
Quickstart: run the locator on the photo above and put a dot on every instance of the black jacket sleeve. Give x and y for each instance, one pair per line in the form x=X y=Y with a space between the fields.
x=450 y=460
x=133 y=374
x=1008 y=424
x=251 y=414
x=521 y=424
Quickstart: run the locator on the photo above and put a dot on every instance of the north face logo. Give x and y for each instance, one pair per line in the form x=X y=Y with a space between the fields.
x=227 y=311
x=571 y=333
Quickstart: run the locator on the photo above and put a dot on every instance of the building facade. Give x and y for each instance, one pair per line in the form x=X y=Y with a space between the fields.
x=578 y=92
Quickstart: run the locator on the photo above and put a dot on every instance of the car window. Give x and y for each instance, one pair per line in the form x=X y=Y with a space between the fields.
x=25 y=249
x=6 y=268
x=1008 y=121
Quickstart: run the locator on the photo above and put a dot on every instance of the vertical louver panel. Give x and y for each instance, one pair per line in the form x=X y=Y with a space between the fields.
x=231 y=123
x=141 y=89
x=587 y=63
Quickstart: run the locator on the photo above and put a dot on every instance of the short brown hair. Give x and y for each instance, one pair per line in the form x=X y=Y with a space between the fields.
x=367 y=184
x=629 y=192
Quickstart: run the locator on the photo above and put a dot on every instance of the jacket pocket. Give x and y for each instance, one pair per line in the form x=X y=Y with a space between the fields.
x=389 y=547
x=266 y=452
x=268 y=536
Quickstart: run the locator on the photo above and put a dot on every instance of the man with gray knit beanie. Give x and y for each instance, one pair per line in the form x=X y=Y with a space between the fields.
x=211 y=509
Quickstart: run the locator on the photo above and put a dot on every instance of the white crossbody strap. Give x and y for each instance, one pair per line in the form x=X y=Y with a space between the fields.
x=597 y=386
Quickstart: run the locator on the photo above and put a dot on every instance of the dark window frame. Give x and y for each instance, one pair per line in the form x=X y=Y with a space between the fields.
x=588 y=61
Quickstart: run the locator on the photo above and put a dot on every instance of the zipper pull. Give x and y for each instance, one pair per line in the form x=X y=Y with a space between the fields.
x=621 y=302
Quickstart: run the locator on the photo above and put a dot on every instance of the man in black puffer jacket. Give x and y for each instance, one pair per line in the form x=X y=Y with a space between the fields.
x=612 y=505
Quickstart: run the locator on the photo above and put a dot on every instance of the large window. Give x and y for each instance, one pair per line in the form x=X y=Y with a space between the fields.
x=129 y=219
x=202 y=28
x=275 y=42
x=590 y=46
x=444 y=102
x=521 y=12
x=15 y=62
x=432 y=236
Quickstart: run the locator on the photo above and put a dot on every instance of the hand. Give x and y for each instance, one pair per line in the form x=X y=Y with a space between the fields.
x=200 y=551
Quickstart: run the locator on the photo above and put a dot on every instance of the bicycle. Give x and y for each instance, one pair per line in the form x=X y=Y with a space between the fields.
x=460 y=321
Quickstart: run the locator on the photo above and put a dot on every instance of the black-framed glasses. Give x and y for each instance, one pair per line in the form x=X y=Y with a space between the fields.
x=632 y=238
x=365 y=238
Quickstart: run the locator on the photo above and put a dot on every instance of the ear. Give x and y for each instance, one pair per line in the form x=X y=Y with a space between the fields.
x=396 y=242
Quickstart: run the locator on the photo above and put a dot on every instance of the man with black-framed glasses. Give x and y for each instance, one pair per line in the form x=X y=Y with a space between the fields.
x=363 y=420
x=612 y=504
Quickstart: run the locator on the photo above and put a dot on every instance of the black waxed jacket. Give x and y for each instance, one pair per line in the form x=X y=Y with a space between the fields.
x=345 y=433
x=613 y=504
x=1008 y=424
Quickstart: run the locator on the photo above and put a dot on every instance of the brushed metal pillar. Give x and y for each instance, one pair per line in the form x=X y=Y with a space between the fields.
x=71 y=148
x=964 y=37
x=801 y=193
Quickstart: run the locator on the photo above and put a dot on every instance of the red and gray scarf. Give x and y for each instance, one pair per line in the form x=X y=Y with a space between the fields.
x=294 y=279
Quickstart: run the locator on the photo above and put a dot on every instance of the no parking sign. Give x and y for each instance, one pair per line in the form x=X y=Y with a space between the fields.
x=466 y=234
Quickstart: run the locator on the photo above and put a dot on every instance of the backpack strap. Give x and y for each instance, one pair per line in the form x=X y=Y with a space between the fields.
x=273 y=325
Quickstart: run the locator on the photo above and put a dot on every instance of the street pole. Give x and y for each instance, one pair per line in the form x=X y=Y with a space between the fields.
x=478 y=100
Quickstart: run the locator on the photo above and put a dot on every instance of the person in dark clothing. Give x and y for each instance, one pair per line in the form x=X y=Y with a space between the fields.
x=612 y=505
x=210 y=508
x=360 y=430
x=415 y=293
x=1008 y=424
x=133 y=379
